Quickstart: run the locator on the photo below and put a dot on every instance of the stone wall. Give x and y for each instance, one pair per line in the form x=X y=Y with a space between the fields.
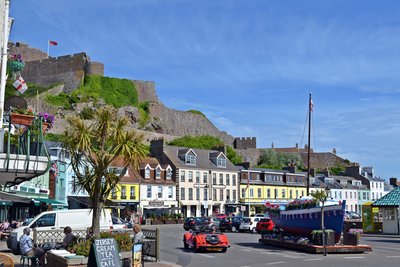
x=146 y=91
x=28 y=53
x=94 y=68
x=245 y=142
x=69 y=70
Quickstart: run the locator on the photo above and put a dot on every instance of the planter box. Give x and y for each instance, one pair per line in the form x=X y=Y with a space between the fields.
x=22 y=119
x=350 y=240
x=178 y=221
x=170 y=221
x=153 y=222
x=317 y=239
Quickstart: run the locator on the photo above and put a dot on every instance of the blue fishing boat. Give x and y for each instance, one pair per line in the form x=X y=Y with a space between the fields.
x=304 y=221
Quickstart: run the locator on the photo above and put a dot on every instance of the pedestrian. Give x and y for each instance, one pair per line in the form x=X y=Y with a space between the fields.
x=68 y=239
x=28 y=249
x=138 y=234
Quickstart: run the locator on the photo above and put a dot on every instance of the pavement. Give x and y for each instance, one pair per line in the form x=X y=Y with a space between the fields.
x=16 y=258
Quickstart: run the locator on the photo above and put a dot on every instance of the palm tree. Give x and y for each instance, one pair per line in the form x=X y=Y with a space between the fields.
x=95 y=147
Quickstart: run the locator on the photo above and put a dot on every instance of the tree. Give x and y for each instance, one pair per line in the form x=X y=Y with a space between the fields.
x=94 y=148
x=321 y=196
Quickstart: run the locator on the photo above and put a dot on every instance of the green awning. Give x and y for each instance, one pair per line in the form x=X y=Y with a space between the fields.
x=49 y=201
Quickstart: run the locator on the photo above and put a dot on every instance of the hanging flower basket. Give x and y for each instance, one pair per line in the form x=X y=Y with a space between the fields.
x=16 y=65
x=45 y=127
x=22 y=119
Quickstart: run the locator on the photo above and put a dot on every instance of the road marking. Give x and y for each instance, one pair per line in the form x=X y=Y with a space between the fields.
x=392 y=256
x=207 y=256
x=354 y=257
x=313 y=260
x=246 y=249
x=275 y=263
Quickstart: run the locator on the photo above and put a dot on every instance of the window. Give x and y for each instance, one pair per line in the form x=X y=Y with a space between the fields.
x=205 y=194
x=283 y=193
x=340 y=194
x=149 y=191
x=197 y=193
x=147 y=173
x=214 y=178
x=45 y=220
x=182 y=193
x=335 y=194
x=123 y=192
x=190 y=160
x=259 y=192
x=190 y=176
x=170 y=195
x=243 y=192
x=297 y=193
x=221 y=162
x=160 y=195
x=221 y=194
x=198 y=177
x=205 y=179
x=290 y=194
x=345 y=195
x=227 y=178
x=221 y=178
x=228 y=194
x=251 y=192
x=234 y=195
x=233 y=179
x=268 y=193
x=74 y=184
x=190 y=193
x=214 y=194
x=132 y=193
x=114 y=193
x=169 y=174
x=182 y=176
x=158 y=173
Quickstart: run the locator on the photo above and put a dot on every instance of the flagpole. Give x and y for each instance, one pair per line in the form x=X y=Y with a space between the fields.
x=48 y=48
x=4 y=62
x=248 y=191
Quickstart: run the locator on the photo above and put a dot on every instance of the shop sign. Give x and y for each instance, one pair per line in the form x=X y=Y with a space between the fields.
x=156 y=203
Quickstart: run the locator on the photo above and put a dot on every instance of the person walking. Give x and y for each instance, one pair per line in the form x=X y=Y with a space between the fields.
x=138 y=234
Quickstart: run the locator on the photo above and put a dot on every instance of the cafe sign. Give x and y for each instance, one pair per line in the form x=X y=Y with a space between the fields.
x=156 y=203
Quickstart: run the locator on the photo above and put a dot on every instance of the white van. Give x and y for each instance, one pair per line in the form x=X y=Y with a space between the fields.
x=79 y=219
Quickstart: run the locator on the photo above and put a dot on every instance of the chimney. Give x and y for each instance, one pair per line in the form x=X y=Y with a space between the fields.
x=291 y=169
x=393 y=181
x=157 y=148
x=326 y=172
x=221 y=148
x=353 y=170
x=312 y=172
x=245 y=165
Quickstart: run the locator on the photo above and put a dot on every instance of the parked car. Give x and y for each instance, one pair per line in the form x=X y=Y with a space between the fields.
x=352 y=215
x=77 y=219
x=264 y=224
x=214 y=221
x=225 y=225
x=249 y=224
x=119 y=223
x=191 y=222
x=219 y=215
x=260 y=215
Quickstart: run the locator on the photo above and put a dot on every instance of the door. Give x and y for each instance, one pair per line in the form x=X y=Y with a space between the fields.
x=45 y=222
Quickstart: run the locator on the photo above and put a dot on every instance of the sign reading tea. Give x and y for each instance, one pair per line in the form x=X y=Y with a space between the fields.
x=106 y=253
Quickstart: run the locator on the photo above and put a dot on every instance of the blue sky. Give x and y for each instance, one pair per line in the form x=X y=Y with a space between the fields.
x=248 y=65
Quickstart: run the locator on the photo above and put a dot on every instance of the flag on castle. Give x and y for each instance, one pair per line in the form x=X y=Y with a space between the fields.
x=20 y=85
x=53 y=43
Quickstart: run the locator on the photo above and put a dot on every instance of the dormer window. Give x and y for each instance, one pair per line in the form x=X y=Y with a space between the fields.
x=221 y=162
x=158 y=173
x=147 y=173
x=190 y=159
x=169 y=174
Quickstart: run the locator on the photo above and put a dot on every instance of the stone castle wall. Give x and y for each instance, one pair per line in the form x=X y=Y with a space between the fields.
x=146 y=91
x=245 y=142
x=28 y=53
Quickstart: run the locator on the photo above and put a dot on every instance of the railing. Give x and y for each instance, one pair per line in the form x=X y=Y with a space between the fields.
x=151 y=242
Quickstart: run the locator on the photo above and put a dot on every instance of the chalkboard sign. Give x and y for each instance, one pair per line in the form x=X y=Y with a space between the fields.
x=104 y=253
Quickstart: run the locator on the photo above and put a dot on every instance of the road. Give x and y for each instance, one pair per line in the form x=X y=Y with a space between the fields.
x=245 y=251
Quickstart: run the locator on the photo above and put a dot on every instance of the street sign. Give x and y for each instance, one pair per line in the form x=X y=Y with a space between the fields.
x=242 y=208
x=205 y=203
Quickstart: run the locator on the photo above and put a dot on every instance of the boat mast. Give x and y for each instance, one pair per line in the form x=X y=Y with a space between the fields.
x=308 y=146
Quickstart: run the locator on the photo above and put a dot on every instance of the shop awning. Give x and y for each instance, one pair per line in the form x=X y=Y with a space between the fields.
x=13 y=198
x=48 y=201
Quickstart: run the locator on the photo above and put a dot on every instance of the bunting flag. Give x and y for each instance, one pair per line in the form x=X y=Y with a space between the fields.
x=53 y=43
x=20 y=85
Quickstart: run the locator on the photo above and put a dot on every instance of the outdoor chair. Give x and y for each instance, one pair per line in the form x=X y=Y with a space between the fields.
x=6 y=260
x=33 y=260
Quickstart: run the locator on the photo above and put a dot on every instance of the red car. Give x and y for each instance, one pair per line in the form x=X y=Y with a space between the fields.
x=206 y=239
x=264 y=224
x=219 y=215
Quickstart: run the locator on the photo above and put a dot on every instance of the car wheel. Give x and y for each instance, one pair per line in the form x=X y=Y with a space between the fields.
x=224 y=250
x=254 y=230
x=195 y=246
x=234 y=229
x=240 y=230
x=185 y=245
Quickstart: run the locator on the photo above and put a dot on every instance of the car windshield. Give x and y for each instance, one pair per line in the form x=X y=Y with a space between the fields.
x=27 y=221
x=246 y=220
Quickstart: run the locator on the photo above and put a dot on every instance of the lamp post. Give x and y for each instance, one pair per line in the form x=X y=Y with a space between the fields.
x=323 y=200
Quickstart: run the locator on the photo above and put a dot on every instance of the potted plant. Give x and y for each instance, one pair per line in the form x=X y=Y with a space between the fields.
x=22 y=116
x=351 y=238
x=13 y=142
x=317 y=237
x=48 y=121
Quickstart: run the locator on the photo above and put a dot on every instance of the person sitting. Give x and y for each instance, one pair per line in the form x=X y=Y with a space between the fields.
x=27 y=248
x=138 y=234
x=68 y=239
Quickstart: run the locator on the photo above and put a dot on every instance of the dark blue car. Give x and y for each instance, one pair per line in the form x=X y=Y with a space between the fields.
x=235 y=222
